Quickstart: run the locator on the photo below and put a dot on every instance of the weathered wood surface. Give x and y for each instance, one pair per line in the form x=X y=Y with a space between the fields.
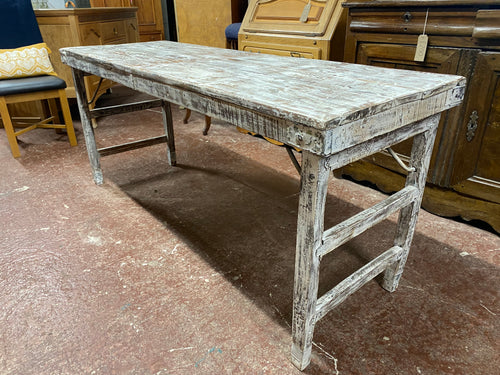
x=345 y=288
x=124 y=108
x=319 y=106
x=110 y=150
x=420 y=157
x=310 y=223
x=88 y=129
x=357 y=224
x=337 y=113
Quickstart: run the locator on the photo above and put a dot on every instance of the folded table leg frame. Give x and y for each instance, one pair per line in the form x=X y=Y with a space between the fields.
x=313 y=242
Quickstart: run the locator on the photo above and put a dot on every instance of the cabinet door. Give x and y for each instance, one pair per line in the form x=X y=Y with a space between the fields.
x=293 y=17
x=438 y=60
x=150 y=19
x=477 y=161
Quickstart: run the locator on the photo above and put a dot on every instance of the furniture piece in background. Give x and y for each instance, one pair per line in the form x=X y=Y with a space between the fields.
x=149 y=16
x=464 y=38
x=231 y=33
x=294 y=28
x=297 y=28
x=335 y=112
x=204 y=21
x=86 y=26
x=18 y=29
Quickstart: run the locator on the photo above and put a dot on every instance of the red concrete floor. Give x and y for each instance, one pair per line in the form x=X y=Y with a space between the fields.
x=189 y=269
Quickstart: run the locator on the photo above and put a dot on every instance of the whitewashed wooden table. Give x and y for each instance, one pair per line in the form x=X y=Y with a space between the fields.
x=335 y=112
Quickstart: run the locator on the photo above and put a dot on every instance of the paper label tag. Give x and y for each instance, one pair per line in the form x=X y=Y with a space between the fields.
x=305 y=12
x=422 y=42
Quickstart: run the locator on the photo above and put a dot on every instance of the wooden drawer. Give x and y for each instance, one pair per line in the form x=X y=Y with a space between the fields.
x=113 y=32
x=148 y=37
x=440 y=21
x=283 y=50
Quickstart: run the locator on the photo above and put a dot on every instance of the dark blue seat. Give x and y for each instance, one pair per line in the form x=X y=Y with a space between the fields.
x=19 y=28
x=30 y=84
x=232 y=31
x=232 y=35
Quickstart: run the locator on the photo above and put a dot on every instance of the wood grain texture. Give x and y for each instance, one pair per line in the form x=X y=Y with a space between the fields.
x=88 y=129
x=321 y=115
x=314 y=182
x=354 y=226
x=345 y=288
x=420 y=158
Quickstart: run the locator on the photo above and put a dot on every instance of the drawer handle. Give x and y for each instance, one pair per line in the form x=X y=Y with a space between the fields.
x=133 y=26
x=115 y=31
x=295 y=54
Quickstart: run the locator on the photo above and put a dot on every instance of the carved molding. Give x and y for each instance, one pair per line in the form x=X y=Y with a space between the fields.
x=472 y=126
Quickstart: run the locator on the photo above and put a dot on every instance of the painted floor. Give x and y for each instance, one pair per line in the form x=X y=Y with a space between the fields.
x=189 y=269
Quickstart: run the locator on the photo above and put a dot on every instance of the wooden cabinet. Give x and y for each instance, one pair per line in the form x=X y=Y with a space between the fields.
x=296 y=28
x=204 y=21
x=464 y=39
x=82 y=27
x=149 y=16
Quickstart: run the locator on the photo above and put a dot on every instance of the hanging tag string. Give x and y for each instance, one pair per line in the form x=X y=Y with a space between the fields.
x=425 y=23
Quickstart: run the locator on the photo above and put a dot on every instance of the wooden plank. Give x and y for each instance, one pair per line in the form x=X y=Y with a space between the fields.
x=420 y=158
x=345 y=288
x=105 y=151
x=313 y=191
x=88 y=129
x=254 y=81
x=168 y=125
x=357 y=224
x=272 y=95
x=377 y=144
x=124 y=108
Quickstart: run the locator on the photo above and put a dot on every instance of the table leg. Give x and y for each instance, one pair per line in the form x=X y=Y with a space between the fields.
x=314 y=182
x=420 y=158
x=168 y=124
x=88 y=129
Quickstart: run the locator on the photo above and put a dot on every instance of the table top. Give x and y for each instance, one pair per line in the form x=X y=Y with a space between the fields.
x=313 y=93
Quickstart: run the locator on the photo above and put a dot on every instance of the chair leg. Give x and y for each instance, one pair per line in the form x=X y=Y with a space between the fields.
x=9 y=128
x=54 y=111
x=208 y=122
x=67 y=118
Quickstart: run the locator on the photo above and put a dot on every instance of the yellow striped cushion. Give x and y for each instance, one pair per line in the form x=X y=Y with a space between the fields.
x=27 y=61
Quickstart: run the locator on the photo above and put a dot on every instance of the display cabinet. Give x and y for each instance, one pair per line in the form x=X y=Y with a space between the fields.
x=298 y=28
x=149 y=16
x=85 y=26
x=463 y=39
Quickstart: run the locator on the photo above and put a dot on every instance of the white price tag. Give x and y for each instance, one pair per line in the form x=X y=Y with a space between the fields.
x=422 y=42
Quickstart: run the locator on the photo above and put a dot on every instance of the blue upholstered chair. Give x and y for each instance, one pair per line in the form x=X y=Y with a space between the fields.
x=19 y=28
x=232 y=35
